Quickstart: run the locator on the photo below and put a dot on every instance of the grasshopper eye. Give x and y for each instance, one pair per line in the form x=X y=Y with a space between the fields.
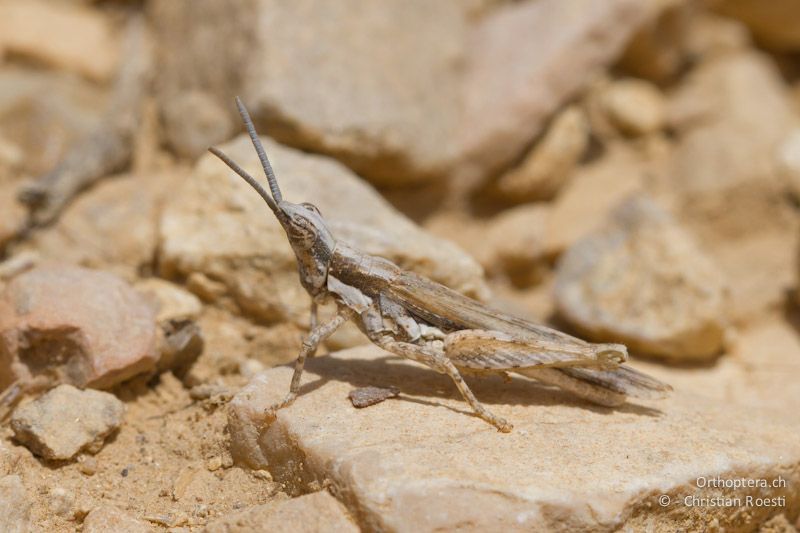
x=311 y=207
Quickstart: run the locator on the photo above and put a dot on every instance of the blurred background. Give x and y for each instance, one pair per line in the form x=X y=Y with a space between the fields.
x=626 y=170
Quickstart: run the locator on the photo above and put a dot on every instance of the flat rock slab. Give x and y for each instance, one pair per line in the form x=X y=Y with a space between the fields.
x=421 y=462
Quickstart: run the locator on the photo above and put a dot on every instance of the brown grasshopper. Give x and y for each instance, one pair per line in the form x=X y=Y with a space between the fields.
x=414 y=317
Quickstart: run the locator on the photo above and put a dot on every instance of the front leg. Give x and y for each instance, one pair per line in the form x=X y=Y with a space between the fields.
x=435 y=358
x=310 y=344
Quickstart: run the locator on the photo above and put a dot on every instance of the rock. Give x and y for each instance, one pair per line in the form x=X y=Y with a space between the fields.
x=525 y=60
x=681 y=33
x=594 y=190
x=17 y=264
x=37 y=105
x=312 y=513
x=518 y=238
x=12 y=215
x=426 y=464
x=15 y=505
x=643 y=281
x=65 y=421
x=636 y=107
x=656 y=51
x=366 y=396
x=61 y=501
x=395 y=61
x=76 y=325
x=731 y=115
x=709 y=35
x=764 y=358
x=41 y=104
x=107 y=518
x=773 y=23
x=181 y=341
x=510 y=244
x=789 y=162
x=550 y=163
x=180 y=344
x=113 y=226
x=171 y=301
x=79 y=39
x=759 y=269
x=194 y=121
x=219 y=227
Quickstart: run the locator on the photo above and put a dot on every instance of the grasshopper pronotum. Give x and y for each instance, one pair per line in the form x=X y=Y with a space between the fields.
x=414 y=317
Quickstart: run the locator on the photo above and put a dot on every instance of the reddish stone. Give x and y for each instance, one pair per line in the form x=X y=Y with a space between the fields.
x=83 y=327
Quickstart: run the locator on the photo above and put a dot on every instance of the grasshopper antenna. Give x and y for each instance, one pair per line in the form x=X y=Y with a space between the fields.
x=247 y=177
x=262 y=155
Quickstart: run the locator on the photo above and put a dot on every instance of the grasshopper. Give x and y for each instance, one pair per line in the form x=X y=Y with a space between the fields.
x=416 y=318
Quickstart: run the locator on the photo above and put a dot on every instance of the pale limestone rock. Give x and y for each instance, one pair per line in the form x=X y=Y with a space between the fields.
x=172 y=301
x=764 y=358
x=65 y=421
x=731 y=114
x=15 y=505
x=60 y=501
x=66 y=36
x=371 y=83
x=518 y=238
x=708 y=35
x=54 y=105
x=510 y=244
x=656 y=51
x=76 y=325
x=564 y=467
x=642 y=281
x=113 y=226
x=36 y=105
x=634 y=106
x=195 y=120
x=774 y=23
x=593 y=191
x=177 y=310
x=312 y=513
x=681 y=33
x=525 y=60
x=550 y=163
x=789 y=162
x=219 y=227
x=106 y=518
x=12 y=215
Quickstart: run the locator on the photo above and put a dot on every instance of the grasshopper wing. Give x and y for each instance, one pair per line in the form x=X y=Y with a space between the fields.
x=451 y=311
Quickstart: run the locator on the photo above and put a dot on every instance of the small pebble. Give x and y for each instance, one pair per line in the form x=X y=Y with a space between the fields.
x=366 y=396
x=87 y=465
x=61 y=501
x=66 y=420
x=250 y=367
x=215 y=463
x=263 y=474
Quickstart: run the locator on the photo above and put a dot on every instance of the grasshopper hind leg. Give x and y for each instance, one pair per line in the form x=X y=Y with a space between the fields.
x=436 y=360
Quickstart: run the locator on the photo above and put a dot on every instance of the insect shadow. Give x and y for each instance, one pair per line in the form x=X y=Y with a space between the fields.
x=417 y=382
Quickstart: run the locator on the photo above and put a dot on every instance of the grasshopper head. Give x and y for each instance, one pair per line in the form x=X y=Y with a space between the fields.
x=308 y=233
x=311 y=241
